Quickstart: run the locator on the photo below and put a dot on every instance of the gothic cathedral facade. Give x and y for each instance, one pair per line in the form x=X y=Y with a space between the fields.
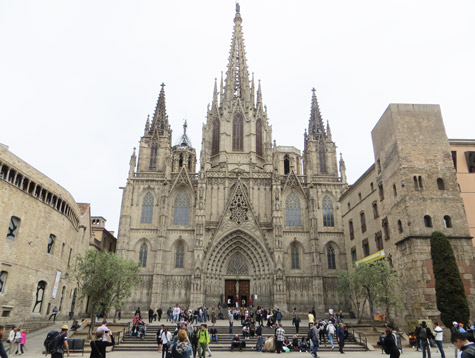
x=253 y=220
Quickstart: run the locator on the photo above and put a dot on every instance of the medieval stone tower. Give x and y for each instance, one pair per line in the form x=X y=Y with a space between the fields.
x=255 y=219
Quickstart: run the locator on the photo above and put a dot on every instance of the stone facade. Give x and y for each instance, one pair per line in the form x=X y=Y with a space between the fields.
x=408 y=193
x=43 y=229
x=255 y=219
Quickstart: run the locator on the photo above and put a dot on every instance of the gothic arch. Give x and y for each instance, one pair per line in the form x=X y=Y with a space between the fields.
x=332 y=247
x=295 y=255
x=178 y=194
x=178 y=255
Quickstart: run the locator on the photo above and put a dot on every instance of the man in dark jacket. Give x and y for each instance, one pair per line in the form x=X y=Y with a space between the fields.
x=461 y=341
x=98 y=347
x=340 y=335
x=3 y=354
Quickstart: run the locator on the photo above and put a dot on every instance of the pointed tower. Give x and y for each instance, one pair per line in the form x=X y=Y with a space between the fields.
x=320 y=159
x=183 y=154
x=237 y=134
x=155 y=145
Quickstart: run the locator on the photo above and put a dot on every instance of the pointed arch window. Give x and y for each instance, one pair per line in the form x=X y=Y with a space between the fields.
x=259 y=137
x=153 y=156
x=294 y=251
x=322 y=158
x=328 y=218
x=40 y=294
x=3 y=280
x=143 y=255
x=331 y=258
x=286 y=164
x=180 y=256
x=181 y=210
x=238 y=133
x=147 y=208
x=215 y=141
x=292 y=210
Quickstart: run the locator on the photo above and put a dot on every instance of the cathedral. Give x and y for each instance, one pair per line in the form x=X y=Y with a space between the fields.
x=254 y=220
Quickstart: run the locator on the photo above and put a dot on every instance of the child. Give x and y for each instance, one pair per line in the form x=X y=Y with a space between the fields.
x=23 y=340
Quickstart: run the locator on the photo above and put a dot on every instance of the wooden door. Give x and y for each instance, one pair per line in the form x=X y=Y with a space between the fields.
x=244 y=292
x=230 y=292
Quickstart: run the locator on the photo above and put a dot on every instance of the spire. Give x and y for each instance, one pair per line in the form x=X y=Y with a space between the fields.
x=253 y=90
x=132 y=164
x=160 y=118
x=184 y=140
x=214 y=105
x=342 y=169
x=315 y=125
x=147 y=125
x=237 y=76
x=329 y=133
x=259 y=94
x=221 y=90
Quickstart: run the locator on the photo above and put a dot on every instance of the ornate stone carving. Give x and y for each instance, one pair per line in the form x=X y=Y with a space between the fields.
x=238 y=209
x=237 y=265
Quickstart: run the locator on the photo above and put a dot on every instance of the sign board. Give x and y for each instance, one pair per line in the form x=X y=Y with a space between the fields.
x=56 y=284
x=373 y=257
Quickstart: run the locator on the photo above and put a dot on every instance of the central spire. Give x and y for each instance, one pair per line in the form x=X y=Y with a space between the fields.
x=237 y=76
x=316 y=128
x=160 y=118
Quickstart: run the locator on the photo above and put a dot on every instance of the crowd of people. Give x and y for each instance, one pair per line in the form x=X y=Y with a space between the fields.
x=16 y=341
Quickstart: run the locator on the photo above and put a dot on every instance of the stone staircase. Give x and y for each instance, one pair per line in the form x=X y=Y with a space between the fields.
x=148 y=343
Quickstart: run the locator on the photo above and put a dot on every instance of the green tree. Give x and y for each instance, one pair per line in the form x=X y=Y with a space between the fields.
x=348 y=287
x=105 y=278
x=388 y=294
x=450 y=294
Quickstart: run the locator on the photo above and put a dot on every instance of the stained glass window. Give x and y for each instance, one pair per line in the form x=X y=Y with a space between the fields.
x=147 y=208
x=292 y=210
x=259 y=137
x=295 y=257
x=181 y=212
x=328 y=218
x=143 y=255
x=215 y=142
x=331 y=258
x=180 y=256
x=238 y=133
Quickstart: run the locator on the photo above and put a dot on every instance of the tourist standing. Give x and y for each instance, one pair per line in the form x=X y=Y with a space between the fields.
x=439 y=338
x=331 y=333
x=159 y=312
x=231 y=321
x=389 y=345
x=280 y=336
x=203 y=341
x=11 y=340
x=166 y=341
x=176 y=313
x=17 y=340
x=340 y=334
x=98 y=347
x=182 y=348
x=424 y=335
x=3 y=354
x=314 y=337
x=296 y=322
x=62 y=345
x=311 y=319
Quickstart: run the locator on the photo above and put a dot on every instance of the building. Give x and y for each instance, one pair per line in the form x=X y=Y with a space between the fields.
x=44 y=229
x=411 y=191
x=463 y=155
x=102 y=239
x=254 y=220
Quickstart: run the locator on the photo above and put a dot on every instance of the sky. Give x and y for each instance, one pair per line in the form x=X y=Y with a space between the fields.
x=79 y=77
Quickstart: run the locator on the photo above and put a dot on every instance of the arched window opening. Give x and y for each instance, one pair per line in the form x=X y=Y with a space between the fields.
x=40 y=294
x=189 y=163
x=363 y=221
x=427 y=221
x=238 y=133
x=440 y=184
x=147 y=208
x=179 y=256
x=352 y=230
x=153 y=156
x=180 y=162
x=328 y=218
x=181 y=211
x=447 y=221
x=292 y=210
x=12 y=232
x=394 y=190
x=322 y=156
x=143 y=255
x=286 y=165
x=295 y=257
x=215 y=140
x=63 y=291
x=259 y=137
x=331 y=258
x=399 y=226
x=3 y=280
x=51 y=240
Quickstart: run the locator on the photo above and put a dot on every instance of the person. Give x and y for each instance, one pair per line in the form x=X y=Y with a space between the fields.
x=280 y=336
x=119 y=313
x=182 y=348
x=331 y=333
x=231 y=321
x=53 y=313
x=98 y=347
x=461 y=342
x=11 y=339
x=214 y=333
x=236 y=343
x=22 y=341
x=159 y=312
x=62 y=343
x=389 y=345
x=137 y=312
x=103 y=328
x=278 y=316
x=313 y=335
x=17 y=340
x=166 y=341
x=425 y=335
x=295 y=343
x=439 y=338
x=203 y=341
x=3 y=354
x=176 y=313
x=150 y=315
x=159 y=337
x=245 y=332
x=340 y=335
x=194 y=341
x=296 y=322
x=303 y=346
x=311 y=319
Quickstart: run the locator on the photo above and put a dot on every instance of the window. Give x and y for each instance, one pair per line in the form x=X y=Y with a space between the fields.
x=62 y=249
x=378 y=165
x=427 y=221
x=447 y=221
x=375 y=209
x=286 y=164
x=378 y=239
x=69 y=256
x=354 y=258
x=418 y=182
x=180 y=254
x=40 y=294
x=399 y=226
x=371 y=186
x=143 y=255
x=295 y=257
x=292 y=210
x=470 y=156
x=385 y=225
x=215 y=141
x=381 y=192
x=359 y=196
x=61 y=298
x=352 y=231
x=322 y=156
x=394 y=190
x=259 y=137
x=147 y=208
x=331 y=258
x=328 y=218
x=3 y=280
x=51 y=240
x=363 y=221
x=238 y=133
x=181 y=211
x=454 y=159
x=153 y=156
x=349 y=206
x=365 y=247
x=440 y=184
x=12 y=232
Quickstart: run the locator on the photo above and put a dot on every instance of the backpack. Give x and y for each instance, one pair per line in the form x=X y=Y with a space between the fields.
x=423 y=333
x=53 y=342
x=397 y=341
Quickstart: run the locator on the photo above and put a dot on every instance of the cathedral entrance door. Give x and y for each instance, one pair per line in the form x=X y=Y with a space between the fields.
x=237 y=290
x=230 y=292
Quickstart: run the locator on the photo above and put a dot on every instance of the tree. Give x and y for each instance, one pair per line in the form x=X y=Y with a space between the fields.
x=105 y=278
x=450 y=294
x=388 y=296
x=347 y=287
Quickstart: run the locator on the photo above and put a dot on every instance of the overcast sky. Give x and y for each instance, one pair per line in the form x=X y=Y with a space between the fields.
x=78 y=78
